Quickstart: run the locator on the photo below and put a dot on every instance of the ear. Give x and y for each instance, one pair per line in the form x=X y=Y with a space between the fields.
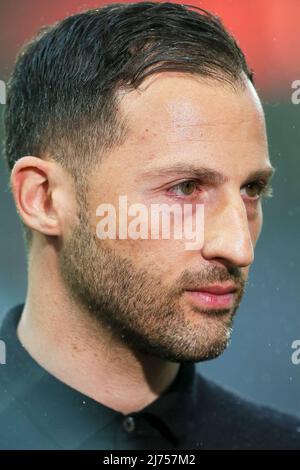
x=34 y=184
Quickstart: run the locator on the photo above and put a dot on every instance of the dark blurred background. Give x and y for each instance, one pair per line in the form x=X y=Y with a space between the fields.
x=258 y=362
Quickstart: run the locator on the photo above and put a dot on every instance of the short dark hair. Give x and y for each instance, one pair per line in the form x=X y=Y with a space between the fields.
x=61 y=97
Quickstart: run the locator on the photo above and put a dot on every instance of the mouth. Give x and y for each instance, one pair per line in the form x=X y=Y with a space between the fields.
x=215 y=296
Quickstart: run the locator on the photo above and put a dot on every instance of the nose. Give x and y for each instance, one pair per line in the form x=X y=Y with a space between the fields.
x=227 y=235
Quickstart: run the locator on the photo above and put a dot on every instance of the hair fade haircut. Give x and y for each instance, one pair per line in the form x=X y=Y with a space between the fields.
x=62 y=97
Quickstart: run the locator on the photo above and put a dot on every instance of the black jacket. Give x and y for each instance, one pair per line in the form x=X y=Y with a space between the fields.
x=37 y=411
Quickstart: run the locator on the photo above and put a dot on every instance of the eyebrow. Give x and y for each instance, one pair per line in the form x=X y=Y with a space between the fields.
x=206 y=175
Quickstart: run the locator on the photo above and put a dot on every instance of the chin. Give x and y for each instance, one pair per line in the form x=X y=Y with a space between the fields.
x=196 y=347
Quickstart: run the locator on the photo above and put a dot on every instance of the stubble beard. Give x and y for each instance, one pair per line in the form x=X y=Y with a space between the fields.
x=138 y=308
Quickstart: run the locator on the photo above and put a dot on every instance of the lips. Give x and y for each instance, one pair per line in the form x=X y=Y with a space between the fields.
x=213 y=296
x=216 y=289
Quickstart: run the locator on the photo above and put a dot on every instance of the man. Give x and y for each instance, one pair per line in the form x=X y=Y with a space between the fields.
x=155 y=103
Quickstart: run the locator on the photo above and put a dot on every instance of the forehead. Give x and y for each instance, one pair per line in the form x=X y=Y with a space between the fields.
x=178 y=116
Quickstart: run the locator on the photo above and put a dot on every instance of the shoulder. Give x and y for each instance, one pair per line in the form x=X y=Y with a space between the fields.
x=13 y=421
x=230 y=421
x=17 y=381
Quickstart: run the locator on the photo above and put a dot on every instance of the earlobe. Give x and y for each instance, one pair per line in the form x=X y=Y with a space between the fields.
x=31 y=183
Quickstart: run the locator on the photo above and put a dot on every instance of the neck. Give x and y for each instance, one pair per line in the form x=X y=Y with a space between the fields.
x=74 y=347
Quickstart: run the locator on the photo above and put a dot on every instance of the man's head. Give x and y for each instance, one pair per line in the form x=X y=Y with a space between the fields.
x=155 y=102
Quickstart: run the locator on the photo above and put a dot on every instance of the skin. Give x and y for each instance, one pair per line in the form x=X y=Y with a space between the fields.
x=121 y=305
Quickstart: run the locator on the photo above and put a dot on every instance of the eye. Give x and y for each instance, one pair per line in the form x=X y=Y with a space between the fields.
x=186 y=188
x=256 y=189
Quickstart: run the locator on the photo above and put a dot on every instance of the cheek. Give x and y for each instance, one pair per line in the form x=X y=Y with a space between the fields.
x=159 y=256
x=138 y=231
x=162 y=259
